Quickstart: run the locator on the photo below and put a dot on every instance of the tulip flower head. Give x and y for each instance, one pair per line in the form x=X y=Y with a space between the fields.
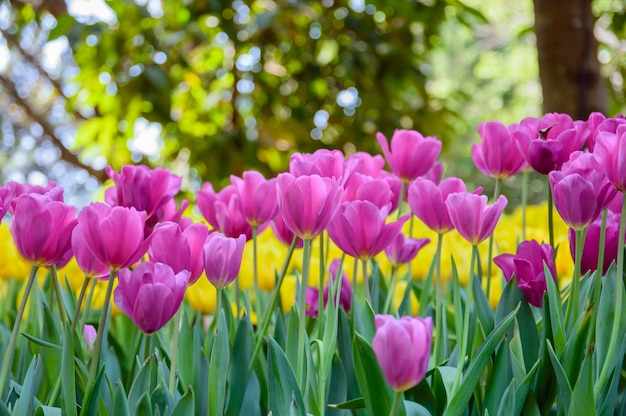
x=610 y=152
x=223 y=211
x=222 y=258
x=403 y=249
x=367 y=164
x=5 y=200
x=411 y=155
x=366 y=188
x=257 y=197
x=181 y=249
x=527 y=265
x=471 y=216
x=427 y=202
x=360 y=230
x=402 y=347
x=114 y=235
x=308 y=203
x=87 y=261
x=284 y=234
x=150 y=294
x=323 y=162
x=591 y=246
x=42 y=229
x=89 y=337
x=497 y=156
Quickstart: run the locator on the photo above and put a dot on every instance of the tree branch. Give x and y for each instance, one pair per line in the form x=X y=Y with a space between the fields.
x=48 y=129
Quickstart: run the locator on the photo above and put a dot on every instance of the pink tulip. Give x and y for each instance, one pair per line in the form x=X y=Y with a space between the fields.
x=360 y=230
x=222 y=258
x=497 y=156
x=114 y=235
x=257 y=197
x=591 y=246
x=365 y=188
x=87 y=261
x=402 y=249
x=179 y=248
x=411 y=155
x=367 y=164
x=345 y=297
x=150 y=294
x=580 y=197
x=402 y=347
x=51 y=190
x=325 y=163
x=142 y=188
x=42 y=229
x=6 y=196
x=547 y=143
x=528 y=268
x=610 y=152
x=307 y=203
x=427 y=202
x=284 y=234
x=223 y=211
x=471 y=216
x=598 y=123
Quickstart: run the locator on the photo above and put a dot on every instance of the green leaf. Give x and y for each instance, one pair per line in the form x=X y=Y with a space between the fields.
x=283 y=389
x=507 y=402
x=563 y=386
x=458 y=402
x=606 y=316
x=556 y=312
x=41 y=342
x=358 y=403
x=25 y=404
x=144 y=407
x=377 y=393
x=218 y=368
x=64 y=24
x=415 y=409
x=582 y=397
x=485 y=313
x=120 y=402
x=186 y=405
x=609 y=398
x=90 y=402
x=292 y=338
x=524 y=388
x=140 y=386
x=68 y=383
x=497 y=382
x=237 y=377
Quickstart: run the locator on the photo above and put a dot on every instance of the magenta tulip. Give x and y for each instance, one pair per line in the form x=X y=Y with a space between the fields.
x=325 y=163
x=580 y=197
x=367 y=164
x=257 y=197
x=51 y=190
x=42 y=230
x=179 y=248
x=114 y=235
x=87 y=261
x=223 y=211
x=497 y=156
x=402 y=347
x=222 y=258
x=547 y=143
x=411 y=154
x=366 y=188
x=6 y=195
x=150 y=294
x=345 y=297
x=427 y=202
x=142 y=188
x=471 y=216
x=284 y=234
x=403 y=249
x=610 y=151
x=598 y=123
x=360 y=230
x=308 y=203
x=591 y=246
x=528 y=268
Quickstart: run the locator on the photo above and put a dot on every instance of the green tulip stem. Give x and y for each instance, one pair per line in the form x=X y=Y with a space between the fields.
x=174 y=358
x=496 y=193
x=551 y=217
x=390 y=290
x=147 y=346
x=525 y=178
x=85 y=313
x=572 y=306
x=57 y=292
x=218 y=308
x=597 y=281
x=396 y=404
x=320 y=288
x=616 y=337
x=401 y=199
x=79 y=303
x=267 y=317
x=366 y=284
x=8 y=358
x=306 y=259
x=355 y=269
x=440 y=344
x=464 y=341
x=255 y=260
x=95 y=360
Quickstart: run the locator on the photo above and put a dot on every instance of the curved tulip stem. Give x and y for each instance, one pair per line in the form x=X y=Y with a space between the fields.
x=496 y=193
x=396 y=404
x=8 y=358
x=390 y=290
x=79 y=303
x=366 y=284
x=174 y=358
x=306 y=258
x=95 y=360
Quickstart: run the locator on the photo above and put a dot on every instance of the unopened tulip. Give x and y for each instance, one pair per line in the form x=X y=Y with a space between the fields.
x=360 y=230
x=150 y=294
x=308 y=203
x=411 y=155
x=527 y=265
x=427 y=202
x=610 y=151
x=471 y=216
x=42 y=229
x=402 y=249
x=591 y=246
x=323 y=162
x=497 y=156
x=222 y=258
x=223 y=211
x=257 y=197
x=402 y=347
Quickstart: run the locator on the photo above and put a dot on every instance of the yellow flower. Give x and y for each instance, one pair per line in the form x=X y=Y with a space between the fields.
x=12 y=265
x=202 y=295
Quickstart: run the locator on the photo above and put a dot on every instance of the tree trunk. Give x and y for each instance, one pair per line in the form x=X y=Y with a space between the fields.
x=568 y=58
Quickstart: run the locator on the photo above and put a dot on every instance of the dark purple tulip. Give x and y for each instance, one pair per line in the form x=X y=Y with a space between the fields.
x=527 y=266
